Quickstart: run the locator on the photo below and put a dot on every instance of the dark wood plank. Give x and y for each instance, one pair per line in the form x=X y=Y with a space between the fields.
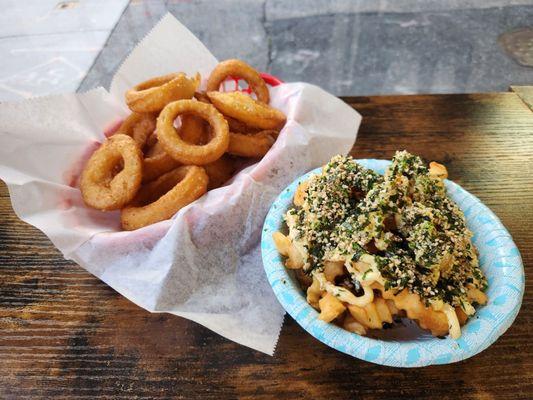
x=64 y=334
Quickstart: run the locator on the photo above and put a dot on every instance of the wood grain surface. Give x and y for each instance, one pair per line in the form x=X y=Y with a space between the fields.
x=525 y=93
x=64 y=334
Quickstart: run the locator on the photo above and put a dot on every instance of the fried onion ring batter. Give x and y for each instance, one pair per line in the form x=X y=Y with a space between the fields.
x=239 y=69
x=245 y=109
x=255 y=145
x=188 y=153
x=239 y=127
x=164 y=197
x=138 y=126
x=101 y=186
x=157 y=165
x=153 y=94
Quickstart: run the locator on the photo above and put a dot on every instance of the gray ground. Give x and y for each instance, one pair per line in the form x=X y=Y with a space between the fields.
x=358 y=47
x=349 y=47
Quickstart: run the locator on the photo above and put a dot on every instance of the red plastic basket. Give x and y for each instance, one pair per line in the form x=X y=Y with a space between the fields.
x=271 y=79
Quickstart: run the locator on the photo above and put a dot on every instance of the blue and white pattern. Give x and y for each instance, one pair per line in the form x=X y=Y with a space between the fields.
x=499 y=258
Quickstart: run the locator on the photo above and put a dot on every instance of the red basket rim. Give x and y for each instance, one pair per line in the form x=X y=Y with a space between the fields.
x=271 y=79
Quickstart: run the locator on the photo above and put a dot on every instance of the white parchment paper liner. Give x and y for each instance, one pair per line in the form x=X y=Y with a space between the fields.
x=204 y=264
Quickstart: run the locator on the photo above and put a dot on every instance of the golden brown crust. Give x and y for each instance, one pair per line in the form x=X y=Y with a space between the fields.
x=254 y=145
x=188 y=153
x=239 y=69
x=154 y=94
x=164 y=197
x=157 y=165
x=245 y=109
x=102 y=187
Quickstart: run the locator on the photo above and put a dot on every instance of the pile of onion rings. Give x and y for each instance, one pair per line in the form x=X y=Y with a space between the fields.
x=179 y=142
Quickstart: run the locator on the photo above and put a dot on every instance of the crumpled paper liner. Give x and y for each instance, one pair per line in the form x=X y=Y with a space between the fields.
x=204 y=264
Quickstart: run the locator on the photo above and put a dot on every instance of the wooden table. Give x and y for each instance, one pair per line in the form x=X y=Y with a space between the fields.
x=64 y=334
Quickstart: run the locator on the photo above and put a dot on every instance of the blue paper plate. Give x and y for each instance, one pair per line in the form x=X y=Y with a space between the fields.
x=407 y=345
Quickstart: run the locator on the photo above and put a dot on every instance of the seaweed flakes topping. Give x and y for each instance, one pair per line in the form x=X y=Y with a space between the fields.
x=330 y=198
x=416 y=233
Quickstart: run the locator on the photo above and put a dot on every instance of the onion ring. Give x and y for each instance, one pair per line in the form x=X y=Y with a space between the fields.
x=157 y=162
x=164 y=197
x=154 y=94
x=157 y=165
x=219 y=171
x=234 y=125
x=100 y=187
x=245 y=109
x=239 y=69
x=188 y=153
x=143 y=130
x=256 y=145
x=138 y=126
x=239 y=127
